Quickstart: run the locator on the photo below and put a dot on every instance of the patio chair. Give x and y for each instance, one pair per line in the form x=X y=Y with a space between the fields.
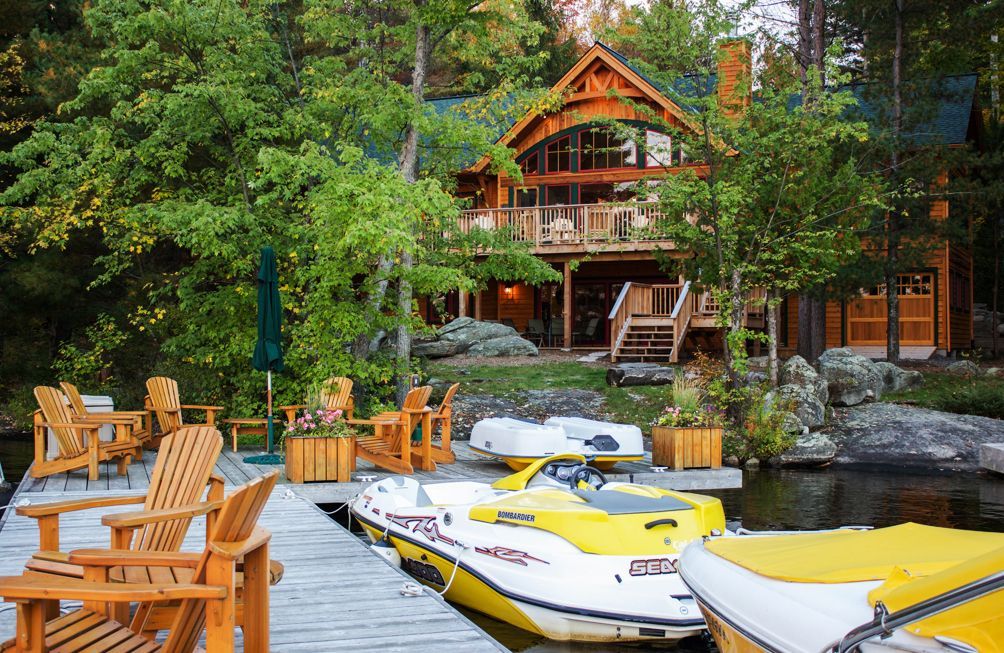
x=535 y=331
x=208 y=597
x=390 y=445
x=589 y=333
x=443 y=417
x=70 y=434
x=164 y=401
x=336 y=395
x=141 y=419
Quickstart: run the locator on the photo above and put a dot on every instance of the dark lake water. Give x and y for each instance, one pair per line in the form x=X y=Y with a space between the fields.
x=769 y=499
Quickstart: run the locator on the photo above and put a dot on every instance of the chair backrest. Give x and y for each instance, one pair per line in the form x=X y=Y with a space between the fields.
x=73 y=396
x=535 y=326
x=337 y=391
x=592 y=326
x=417 y=398
x=448 y=398
x=55 y=411
x=185 y=461
x=164 y=394
x=236 y=521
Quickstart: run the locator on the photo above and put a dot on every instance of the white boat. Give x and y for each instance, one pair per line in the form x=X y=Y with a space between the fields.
x=520 y=442
x=552 y=549
x=909 y=588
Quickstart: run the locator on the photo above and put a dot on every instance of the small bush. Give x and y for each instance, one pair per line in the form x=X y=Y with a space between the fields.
x=985 y=400
x=687 y=393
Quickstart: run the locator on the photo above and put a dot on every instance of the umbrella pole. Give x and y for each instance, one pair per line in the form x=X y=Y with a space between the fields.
x=270 y=432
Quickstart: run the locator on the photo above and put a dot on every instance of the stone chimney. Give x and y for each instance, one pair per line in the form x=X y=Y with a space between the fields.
x=735 y=74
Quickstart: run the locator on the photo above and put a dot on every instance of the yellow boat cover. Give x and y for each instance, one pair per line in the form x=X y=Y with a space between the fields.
x=979 y=623
x=848 y=556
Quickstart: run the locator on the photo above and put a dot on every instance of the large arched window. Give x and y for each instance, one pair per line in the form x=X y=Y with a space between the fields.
x=599 y=149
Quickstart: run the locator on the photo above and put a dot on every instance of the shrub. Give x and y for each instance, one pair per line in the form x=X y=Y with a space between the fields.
x=686 y=393
x=976 y=399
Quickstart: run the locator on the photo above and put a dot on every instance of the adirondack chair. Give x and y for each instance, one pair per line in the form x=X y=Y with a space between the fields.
x=207 y=601
x=336 y=395
x=164 y=401
x=390 y=445
x=443 y=417
x=74 y=453
x=141 y=421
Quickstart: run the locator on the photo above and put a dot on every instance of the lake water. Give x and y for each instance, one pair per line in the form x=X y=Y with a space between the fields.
x=770 y=499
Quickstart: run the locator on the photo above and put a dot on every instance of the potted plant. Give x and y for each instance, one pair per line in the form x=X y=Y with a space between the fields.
x=319 y=446
x=689 y=432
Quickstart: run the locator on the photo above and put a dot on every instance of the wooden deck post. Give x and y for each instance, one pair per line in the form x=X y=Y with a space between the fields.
x=462 y=303
x=567 y=289
x=477 y=305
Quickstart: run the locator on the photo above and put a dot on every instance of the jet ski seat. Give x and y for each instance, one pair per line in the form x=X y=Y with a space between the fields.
x=622 y=503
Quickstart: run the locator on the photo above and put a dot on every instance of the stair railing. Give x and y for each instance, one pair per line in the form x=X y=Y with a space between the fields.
x=681 y=320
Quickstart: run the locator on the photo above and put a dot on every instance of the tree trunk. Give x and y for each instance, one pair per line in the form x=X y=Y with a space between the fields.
x=892 y=229
x=804 y=43
x=409 y=169
x=771 y=312
x=819 y=40
x=994 y=322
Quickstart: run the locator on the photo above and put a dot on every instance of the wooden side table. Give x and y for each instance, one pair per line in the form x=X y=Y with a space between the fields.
x=246 y=426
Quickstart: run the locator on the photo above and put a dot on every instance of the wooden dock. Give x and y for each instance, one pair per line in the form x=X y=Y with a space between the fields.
x=470 y=466
x=336 y=595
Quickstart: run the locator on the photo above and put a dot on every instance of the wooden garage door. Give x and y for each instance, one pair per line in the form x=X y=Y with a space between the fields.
x=866 y=316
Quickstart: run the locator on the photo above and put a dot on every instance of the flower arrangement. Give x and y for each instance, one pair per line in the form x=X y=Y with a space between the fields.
x=320 y=423
x=688 y=409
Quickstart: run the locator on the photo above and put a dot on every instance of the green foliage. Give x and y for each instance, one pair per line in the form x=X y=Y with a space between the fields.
x=686 y=393
x=978 y=395
x=91 y=364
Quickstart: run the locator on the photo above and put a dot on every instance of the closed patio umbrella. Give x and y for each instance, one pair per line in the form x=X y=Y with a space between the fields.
x=268 y=350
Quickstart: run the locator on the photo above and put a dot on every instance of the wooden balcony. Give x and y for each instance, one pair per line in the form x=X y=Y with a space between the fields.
x=631 y=226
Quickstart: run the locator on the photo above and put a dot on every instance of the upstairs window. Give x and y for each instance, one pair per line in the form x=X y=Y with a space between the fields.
x=559 y=155
x=658 y=150
x=600 y=150
x=530 y=165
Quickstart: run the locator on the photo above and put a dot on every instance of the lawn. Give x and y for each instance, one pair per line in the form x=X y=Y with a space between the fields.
x=982 y=395
x=637 y=405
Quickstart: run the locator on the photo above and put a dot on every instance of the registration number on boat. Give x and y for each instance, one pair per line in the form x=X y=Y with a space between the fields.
x=652 y=567
x=423 y=571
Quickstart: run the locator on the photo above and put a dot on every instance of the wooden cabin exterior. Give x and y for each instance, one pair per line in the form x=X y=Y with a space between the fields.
x=571 y=209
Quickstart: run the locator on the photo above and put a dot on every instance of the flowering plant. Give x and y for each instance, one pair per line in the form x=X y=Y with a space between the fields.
x=696 y=417
x=320 y=423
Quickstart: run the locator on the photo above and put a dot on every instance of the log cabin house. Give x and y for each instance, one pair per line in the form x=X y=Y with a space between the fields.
x=570 y=207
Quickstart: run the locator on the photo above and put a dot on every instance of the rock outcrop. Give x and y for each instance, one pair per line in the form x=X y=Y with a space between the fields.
x=812 y=449
x=802 y=402
x=850 y=378
x=796 y=371
x=963 y=368
x=895 y=378
x=629 y=374
x=476 y=339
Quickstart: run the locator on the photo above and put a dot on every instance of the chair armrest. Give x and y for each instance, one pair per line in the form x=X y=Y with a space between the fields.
x=79 y=426
x=293 y=407
x=234 y=550
x=216 y=484
x=59 y=507
x=130 y=558
x=143 y=517
x=416 y=411
x=374 y=421
x=45 y=587
x=105 y=418
x=197 y=407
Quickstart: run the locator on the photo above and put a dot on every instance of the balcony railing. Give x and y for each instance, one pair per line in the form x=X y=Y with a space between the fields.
x=573 y=224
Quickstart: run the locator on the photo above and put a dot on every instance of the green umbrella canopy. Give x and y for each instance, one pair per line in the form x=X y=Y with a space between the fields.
x=268 y=349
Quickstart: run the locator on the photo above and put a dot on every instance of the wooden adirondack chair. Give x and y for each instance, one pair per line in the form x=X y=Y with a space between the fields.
x=208 y=601
x=140 y=419
x=443 y=417
x=390 y=445
x=164 y=401
x=74 y=453
x=336 y=395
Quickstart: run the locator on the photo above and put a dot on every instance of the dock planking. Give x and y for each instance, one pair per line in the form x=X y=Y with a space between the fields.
x=336 y=595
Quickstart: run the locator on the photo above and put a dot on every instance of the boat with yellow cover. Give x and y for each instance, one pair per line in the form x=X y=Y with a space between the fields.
x=921 y=589
x=553 y=549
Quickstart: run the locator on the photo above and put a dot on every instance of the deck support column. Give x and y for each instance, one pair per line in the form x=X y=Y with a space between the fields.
x=461 y=304
x=477 y=305
x=567 y=291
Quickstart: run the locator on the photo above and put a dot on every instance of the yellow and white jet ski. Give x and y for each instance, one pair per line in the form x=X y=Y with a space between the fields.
x=907 y=588
x=552 y=549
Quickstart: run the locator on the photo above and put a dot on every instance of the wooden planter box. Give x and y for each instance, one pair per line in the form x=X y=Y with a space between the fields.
x=320 y=459
x=684 y=448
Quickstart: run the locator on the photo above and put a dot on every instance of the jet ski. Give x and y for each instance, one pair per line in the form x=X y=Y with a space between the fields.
x=921 y=589
x=553 y=549
x=520 y=442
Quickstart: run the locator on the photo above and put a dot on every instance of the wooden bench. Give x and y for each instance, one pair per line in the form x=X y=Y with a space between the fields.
x=246 y=426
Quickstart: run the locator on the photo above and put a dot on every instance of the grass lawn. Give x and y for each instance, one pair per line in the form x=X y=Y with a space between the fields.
x=981 y=395
x=638 y=405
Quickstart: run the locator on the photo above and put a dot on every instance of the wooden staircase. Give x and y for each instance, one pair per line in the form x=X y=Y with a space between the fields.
x=648 y=339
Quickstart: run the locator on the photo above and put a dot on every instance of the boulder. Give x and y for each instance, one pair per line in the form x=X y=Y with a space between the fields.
x=791 y=424
x=896 y=378
x=757 y=363
x=470 y=332
x=850 y=378
x=997 y=372
x=436 y=349
x=802 y=402
x=963 y=368
x=511 y=345
x=796 y=371
x=810 y=450
x=629 y=374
